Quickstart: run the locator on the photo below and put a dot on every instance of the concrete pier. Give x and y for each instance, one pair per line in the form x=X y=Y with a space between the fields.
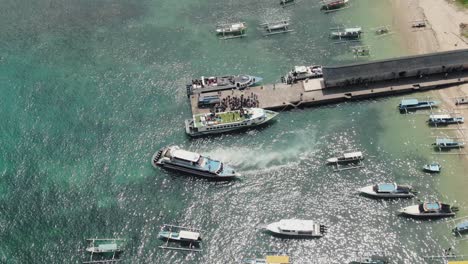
x=313 y=93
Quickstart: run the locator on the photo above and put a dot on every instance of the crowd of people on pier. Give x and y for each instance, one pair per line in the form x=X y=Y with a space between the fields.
x=230 y=103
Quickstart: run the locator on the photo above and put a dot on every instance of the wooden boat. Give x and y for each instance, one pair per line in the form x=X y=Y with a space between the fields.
x=347 y=158
x=296 y=228
x=388 y=190
x=181 y=237
x=276 y=27
x=414 y=104
x=104 y=245
x=234 y=30
x=347 y=33
x=433 y=167
x=428 y=210
x=448 y=143
x=445 y=119
x=334 y=5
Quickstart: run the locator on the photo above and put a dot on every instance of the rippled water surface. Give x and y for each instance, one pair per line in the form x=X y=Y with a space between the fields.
x=91 y=89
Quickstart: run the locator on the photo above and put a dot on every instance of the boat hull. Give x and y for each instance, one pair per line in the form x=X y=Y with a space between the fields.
x=368 y=191
x=197 y=173
x=414 y=212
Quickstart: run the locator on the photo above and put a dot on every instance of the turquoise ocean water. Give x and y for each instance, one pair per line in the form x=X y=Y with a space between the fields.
x=91 y=89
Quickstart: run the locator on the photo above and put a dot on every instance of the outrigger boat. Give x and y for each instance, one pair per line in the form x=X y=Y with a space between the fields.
x=334 y=5
x=285 y=3
x=269 y=259
x=414 y=104
x=295 y=228
x=445 y=119
x=107 y=249
x=303 y=73
x=233 y=30
x=215 y=123
x=429 y=210
x=433 y=167
x=347 y=33
x=347 y=158
x=184 y=236
x=361 y=51
x=372 y=260
x=388 y=190
x=448 y=143
x=276 y=27
x=174 y=158
x=220 y=83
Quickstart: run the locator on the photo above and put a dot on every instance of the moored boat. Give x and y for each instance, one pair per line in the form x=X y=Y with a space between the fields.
x=347 y=158
x=461 y=228
x=174 y=158
x=415 y=104
x=445 y=119
x=182 y=236
x=334 y=5
x=388 y=190
x=429 y=210
x=232 y=28
x=433 y=167
x=296 y=228
x=347 y=33
x=448 y=143
x=302 y=73
x=103 y=246
x=214 y=123
x=220 y=83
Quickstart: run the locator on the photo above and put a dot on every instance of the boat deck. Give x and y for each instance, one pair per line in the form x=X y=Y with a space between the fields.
x=312 y=92
x=221 y=118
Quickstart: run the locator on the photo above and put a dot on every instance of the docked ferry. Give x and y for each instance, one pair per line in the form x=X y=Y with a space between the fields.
x=219 y=83
x=173 y=157
x=213 y=123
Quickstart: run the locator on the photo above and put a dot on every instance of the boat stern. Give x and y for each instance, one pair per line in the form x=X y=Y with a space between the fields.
x=189 y=127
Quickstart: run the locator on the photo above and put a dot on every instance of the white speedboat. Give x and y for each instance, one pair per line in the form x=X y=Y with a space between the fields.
x=296 y=228
x=429 y=210
x=388 y=190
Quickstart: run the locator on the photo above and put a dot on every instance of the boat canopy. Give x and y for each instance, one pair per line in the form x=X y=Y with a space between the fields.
x=189 y=235
x=351 y=155
x=353 y=30
x=186 y=155
x=386 y=187
x=296 y=225
x=108 y=247
x=444 y=141
x=406 y=102
x=277 y=260
x=440 y=117
x=431 y=206
x=300 y=69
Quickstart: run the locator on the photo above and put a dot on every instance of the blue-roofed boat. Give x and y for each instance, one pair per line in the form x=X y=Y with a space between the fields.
x=415 y=104
x=429 y=210
x=448 y=143
x=445 y=119
x=387 y=190
x=174 y=158
x=433 y=167
x=461 y=227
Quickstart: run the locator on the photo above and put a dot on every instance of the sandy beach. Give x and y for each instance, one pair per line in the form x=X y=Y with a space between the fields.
x=442 y=33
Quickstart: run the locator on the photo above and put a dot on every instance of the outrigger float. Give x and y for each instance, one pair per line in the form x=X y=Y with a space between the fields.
x=334 y=5
x=183 y=238
x=232 y=30
x=276 y=27
x=108 y=250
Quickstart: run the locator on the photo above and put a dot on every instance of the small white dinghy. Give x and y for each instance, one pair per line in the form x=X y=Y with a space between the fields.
x=296 y=228
x=388 y=190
